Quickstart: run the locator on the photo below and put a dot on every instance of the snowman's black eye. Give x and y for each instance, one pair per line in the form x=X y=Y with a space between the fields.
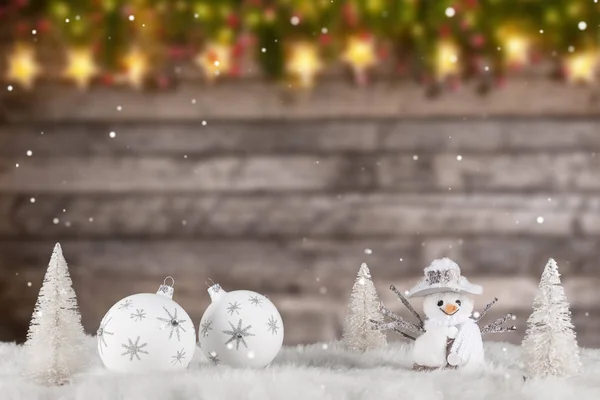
x=440 y=303
x=458 y=302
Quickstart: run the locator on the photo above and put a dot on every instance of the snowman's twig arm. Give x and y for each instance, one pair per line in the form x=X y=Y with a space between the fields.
x=500 y=329
x=401 y=322
x=408 y=305
x=486 y=309
x=405 y=335
x=496 y=326
x=390 y=326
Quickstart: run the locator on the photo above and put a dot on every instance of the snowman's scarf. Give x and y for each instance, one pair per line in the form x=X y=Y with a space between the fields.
x=468 y=345
x=448 y=320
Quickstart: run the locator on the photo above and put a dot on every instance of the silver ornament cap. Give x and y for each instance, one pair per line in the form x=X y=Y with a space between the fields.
x=216 y=292
x=167 y=290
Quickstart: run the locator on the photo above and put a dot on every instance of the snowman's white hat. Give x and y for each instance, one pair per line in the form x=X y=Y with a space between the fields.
x=443 y=275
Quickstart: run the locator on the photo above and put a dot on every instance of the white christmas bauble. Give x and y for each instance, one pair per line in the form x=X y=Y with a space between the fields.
x=146 y=332
x=240 y=328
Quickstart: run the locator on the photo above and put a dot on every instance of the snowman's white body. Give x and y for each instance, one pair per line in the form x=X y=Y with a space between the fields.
x=430 y=349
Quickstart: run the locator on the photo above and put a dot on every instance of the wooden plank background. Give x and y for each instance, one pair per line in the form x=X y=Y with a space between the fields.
x=289 y=197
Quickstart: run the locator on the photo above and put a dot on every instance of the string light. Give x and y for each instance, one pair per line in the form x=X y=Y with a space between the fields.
x=447 y=60
x=581 y=67
x=304 y=63
x=81 y=67
x=360 y=54
x=215 y=60
x=136 y=65
x=516 y=50
x=22 y=66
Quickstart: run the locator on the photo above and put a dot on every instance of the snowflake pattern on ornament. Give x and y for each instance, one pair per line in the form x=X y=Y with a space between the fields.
x=272 y=325
x=179 y=357
x=138 y=315
x=238 y=334
x=257 y=301
x=134 y=349
x=214 y=358
x=205 y=327
x=174 y=323
x=102 y=332
x=235 y=307
x=126 y=305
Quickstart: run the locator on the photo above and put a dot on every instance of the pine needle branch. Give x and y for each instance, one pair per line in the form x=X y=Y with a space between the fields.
x=408 y=305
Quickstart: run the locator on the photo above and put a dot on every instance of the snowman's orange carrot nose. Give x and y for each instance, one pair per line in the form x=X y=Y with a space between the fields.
x=451 y=308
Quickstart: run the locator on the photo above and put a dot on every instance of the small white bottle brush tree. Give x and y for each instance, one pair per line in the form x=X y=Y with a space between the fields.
x=363 y=309
x=550 y=345
x=53 y=350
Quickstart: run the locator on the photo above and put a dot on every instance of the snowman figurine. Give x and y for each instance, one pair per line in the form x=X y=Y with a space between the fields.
x=452 y=339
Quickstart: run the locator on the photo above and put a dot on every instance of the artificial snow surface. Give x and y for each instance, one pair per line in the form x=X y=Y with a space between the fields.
x=311 y=372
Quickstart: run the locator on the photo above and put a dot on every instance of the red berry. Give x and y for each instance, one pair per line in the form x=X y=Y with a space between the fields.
x=325 y=39
x=107 y=79
x=477 y=40
x=43 y=25
x=233 y=20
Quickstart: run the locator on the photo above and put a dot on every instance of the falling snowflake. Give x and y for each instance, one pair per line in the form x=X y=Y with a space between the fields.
x=257 y=301
x=214 y=358
x=238 y=334
x=205 y=327
x=177 y=358
x=272 y=325
x=101 y=332
x=134 y=349
x=174 y=323
x=126 y=305
x=235 y=307
x=138 y=315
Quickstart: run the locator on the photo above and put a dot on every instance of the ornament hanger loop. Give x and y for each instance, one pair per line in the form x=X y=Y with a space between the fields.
x=211 y=282
x=172 y=280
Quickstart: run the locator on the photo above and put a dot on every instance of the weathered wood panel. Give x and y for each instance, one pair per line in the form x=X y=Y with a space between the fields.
x=314 y=137
x=190 y=138
x=192 y=175
x=293 y=215
x=523 y=172
x=337 y=173
x=330 y=99
x=297 y=266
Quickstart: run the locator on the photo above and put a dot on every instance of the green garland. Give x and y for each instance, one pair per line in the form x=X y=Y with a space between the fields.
x=412 y=29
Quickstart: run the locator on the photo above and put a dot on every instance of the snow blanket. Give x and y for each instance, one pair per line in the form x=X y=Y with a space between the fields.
x=319 y=371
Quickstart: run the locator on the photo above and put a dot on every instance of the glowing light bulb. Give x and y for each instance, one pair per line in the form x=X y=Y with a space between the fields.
x=80 y=67
x=136 y=64
x=215 y=59
x=22 y=66
x=517 y=50
x=304 y=63
x=447 y=60
x=581 y=67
